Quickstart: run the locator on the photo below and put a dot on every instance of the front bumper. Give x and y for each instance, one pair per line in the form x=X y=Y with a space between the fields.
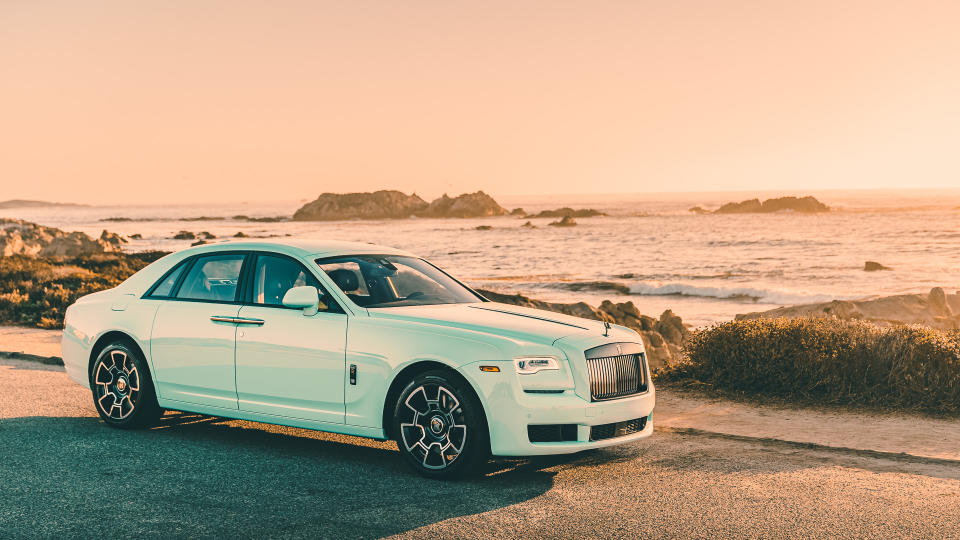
x=510 y=410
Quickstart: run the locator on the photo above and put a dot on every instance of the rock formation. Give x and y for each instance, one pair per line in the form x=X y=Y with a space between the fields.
x=567 y=211
x=394 y=205
x=874 y=266
x=566 y=221
x=377 y=205
x=662 y=337
x=781 y=204
x=477 y=204
x=936 y=309
x=18 y=237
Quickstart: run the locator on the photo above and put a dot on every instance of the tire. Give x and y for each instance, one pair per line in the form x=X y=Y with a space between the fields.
x=122 y=388
x=440 y=427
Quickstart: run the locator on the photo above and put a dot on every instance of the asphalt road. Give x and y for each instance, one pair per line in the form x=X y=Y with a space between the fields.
x=63 y=473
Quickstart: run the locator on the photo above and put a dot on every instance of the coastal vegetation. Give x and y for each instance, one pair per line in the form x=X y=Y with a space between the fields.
x=825 y=361
x=36 y=291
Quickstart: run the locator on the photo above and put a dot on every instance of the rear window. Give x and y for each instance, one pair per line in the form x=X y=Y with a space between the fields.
x=213 y=278
x=164 y=287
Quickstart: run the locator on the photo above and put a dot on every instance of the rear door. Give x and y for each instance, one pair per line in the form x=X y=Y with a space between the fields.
x=289 y=364
x=194 y=333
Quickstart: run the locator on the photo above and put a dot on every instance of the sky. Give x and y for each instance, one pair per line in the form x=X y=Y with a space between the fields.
x=192 y=101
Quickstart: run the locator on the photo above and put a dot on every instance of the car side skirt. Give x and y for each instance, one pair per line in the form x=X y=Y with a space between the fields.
x=209 y=410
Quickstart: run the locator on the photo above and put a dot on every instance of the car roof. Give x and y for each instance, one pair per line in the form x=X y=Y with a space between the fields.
x=306 y=248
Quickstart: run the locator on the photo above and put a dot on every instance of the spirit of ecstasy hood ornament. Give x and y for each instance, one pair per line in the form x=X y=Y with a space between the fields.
x=606 y=329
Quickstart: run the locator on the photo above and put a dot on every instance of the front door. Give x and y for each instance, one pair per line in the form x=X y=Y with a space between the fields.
x=290 y=365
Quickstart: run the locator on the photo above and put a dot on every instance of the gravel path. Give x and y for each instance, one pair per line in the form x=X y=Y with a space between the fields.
x=65 y=474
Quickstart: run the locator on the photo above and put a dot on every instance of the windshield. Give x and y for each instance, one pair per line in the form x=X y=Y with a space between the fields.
x=375 y=281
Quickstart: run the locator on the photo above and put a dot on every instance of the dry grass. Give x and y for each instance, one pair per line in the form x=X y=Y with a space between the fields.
x=826 y=361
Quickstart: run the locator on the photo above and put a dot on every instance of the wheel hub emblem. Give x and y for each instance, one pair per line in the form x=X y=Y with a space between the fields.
x=436 y=425
x=121 y=384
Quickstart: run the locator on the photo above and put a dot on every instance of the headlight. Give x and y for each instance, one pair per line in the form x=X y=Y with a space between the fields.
x=528 y=365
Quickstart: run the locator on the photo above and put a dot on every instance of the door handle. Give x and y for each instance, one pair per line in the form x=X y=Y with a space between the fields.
x=237 y=320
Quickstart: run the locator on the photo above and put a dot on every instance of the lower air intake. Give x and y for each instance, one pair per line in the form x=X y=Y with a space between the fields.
x=617 y=429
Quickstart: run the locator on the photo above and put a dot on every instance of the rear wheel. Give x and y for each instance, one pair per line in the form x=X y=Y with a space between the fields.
x=123 y=392
x=440 y=427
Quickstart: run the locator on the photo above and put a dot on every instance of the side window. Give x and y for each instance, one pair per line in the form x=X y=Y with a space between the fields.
x=213 y=278
x=274 y=276
x=164 y=287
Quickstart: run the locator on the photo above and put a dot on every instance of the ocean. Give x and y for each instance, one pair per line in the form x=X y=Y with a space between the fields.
x=649 y=250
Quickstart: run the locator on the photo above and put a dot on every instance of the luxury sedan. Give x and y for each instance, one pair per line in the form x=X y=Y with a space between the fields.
x=356 y=339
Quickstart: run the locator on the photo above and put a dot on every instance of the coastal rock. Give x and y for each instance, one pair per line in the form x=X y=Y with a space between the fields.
x=937 y=299
x=566 y=221
x=207 y=235
x=136 y=236
x=384 y=204
x=483 y=228
x=569 y=212
x=874 y=266
x=468 y=205
x=529 y=225
x=699 y=210
x=780 y=204
x=184 y=235
x=18 y=237
x=394 y=205
x=241 y=234
x=660 y=346
x=518 y=212
x=936 y=309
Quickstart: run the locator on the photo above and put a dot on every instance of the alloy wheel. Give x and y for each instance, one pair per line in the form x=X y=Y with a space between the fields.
x=434 y=428
x=116 y=384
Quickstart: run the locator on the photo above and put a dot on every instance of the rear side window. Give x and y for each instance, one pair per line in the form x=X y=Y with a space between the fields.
x=213 y=278
x=164 y=287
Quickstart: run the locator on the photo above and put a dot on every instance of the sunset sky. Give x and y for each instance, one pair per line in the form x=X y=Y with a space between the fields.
x=171 y=101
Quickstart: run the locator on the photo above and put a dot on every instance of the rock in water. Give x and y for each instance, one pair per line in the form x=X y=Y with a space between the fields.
x=567 y=221
x=874 y=266
x=384 y=204
x=780 y=204
x=567 y=211
x=468 y=205
x=394 y=205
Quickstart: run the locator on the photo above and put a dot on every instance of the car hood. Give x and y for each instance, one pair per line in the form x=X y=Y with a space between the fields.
x=494 y=318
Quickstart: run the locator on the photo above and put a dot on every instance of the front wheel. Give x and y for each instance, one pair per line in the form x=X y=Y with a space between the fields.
x=122 y=389
x=440 y=427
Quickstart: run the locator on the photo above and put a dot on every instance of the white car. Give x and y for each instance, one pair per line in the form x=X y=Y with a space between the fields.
x=357 y=339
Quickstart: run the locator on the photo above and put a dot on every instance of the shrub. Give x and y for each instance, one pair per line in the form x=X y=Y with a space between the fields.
x=827 y=361
x=36 y=291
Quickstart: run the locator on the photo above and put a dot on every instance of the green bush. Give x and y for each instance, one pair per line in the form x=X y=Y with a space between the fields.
x=826 y=361
x=36 y=291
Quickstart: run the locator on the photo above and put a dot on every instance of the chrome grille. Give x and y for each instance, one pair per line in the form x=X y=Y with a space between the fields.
x=616 y=376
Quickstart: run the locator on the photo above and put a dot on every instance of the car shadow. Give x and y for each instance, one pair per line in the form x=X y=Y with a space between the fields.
x=197 y=475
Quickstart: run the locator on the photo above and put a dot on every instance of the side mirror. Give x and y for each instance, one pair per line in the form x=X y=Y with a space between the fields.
x=306 y=298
